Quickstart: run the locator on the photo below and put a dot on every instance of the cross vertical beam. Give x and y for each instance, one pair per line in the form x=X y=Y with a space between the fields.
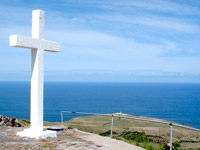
x=38 y=24
x=37 y=73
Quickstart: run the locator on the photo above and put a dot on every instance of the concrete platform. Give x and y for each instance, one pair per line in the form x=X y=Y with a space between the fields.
x=37 y=135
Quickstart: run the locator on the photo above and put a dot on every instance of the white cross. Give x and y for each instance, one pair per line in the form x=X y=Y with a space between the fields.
x=38 y=45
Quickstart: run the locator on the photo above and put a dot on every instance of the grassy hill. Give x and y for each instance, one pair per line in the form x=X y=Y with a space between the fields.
x=157 y=134
x=141 y=133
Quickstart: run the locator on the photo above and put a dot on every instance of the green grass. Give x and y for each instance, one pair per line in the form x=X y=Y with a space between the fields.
x=156 y=133
x=24 y=122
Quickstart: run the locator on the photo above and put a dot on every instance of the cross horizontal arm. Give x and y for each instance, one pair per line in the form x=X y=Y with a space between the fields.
x=34 y=43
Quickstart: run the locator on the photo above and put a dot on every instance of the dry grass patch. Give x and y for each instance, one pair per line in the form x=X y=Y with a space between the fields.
x=49 y=146
x=43 y=140
x=11 y=134
x=62 y=141
x=72 y=133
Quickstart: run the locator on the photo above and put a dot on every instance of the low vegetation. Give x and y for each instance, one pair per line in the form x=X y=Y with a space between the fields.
x=142 y=140
x=150 y=136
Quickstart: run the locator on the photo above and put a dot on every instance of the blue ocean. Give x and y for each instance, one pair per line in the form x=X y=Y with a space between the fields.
x=179 y=102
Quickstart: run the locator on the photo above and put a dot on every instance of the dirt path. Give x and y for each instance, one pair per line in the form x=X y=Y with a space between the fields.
x=108 y=143
x=72 y=139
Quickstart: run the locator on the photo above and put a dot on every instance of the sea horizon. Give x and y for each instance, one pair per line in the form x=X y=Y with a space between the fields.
x=178 y=102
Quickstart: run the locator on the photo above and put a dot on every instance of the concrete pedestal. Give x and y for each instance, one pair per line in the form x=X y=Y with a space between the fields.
x=37 y=135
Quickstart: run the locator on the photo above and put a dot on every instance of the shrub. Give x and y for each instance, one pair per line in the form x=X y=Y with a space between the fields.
x=107 y=133
x=139 y=137
x=175 y=146
x=149 y=147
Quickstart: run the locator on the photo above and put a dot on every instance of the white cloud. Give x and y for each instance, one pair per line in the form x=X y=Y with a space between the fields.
x=152 y=5
x=123 y=40
x=91 y=49
x=78 y=20
x=157 y=22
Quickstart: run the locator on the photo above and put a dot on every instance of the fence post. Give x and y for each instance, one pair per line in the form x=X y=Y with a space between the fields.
x=61 y=118
x=111 y=127
x=171 y=128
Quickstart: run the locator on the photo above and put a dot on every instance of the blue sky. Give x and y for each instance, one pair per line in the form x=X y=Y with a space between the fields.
x=106 y=40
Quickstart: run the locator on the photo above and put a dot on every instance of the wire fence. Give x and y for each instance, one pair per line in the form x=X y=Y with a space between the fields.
x=134 y=118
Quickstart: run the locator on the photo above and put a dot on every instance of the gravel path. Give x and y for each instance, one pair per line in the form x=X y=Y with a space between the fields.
x=108 y=143
x=72 y=139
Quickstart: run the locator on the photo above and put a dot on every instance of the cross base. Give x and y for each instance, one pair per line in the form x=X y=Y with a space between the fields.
x=32 y=134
